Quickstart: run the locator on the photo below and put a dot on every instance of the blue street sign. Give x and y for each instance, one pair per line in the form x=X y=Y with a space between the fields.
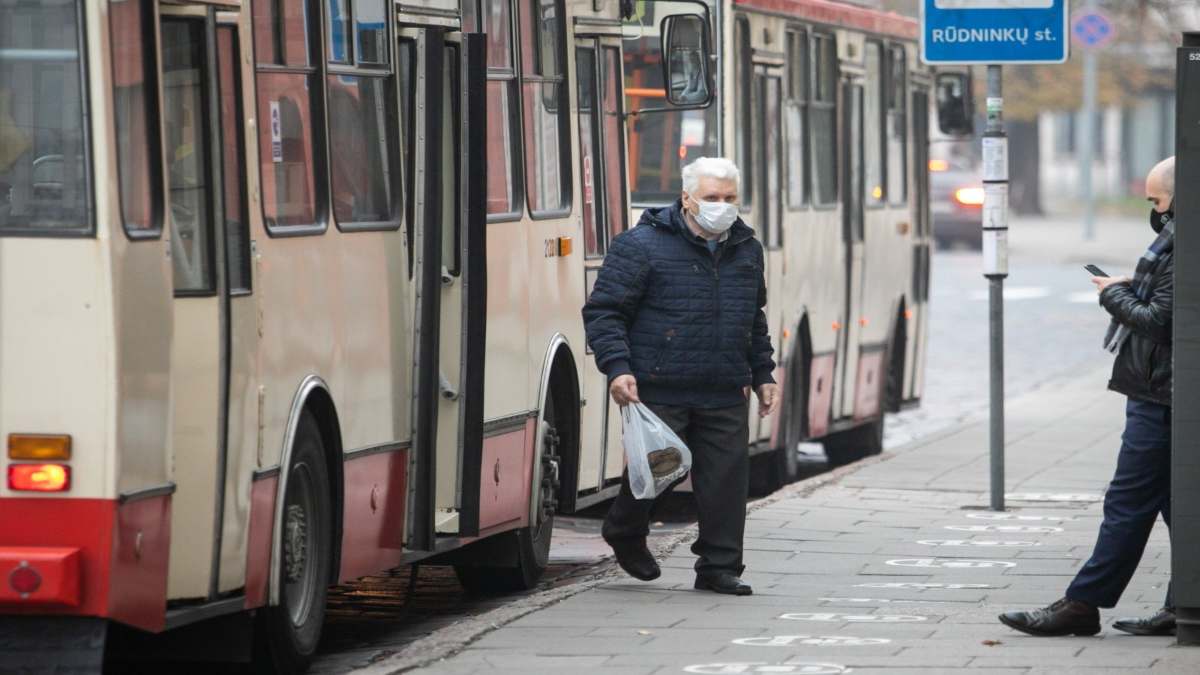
x=1092 y=28
x=994 y=31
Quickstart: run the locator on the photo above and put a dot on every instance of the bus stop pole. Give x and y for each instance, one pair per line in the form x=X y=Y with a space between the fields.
x=995 y=265
x=1185 y=423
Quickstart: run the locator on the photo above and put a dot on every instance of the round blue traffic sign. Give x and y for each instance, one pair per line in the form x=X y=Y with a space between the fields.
x=1092 y=29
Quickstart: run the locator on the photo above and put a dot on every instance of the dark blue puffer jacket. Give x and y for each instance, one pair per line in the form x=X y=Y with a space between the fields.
x=686 y=322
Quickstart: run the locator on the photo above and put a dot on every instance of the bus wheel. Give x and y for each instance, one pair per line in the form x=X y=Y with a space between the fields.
x=289 y=632
x=854 y=444
x=529 y=547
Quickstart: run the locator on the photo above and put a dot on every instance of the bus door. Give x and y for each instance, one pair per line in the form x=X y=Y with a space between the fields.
x=214 y=377
x=767 y=156
x=922 y=241
x=853 y=237
x=445 y=103
x=602 y=174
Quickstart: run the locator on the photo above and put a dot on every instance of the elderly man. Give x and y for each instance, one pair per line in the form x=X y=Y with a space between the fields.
x=676 y=322
x=1140 y=336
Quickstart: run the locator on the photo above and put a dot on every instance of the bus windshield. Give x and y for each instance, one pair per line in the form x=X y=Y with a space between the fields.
x=43 y=175
x=660 y=143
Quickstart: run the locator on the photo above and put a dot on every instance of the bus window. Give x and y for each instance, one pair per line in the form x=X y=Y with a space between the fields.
x=585 y=82
x=897 y=126
x=185 y=122
x=503 y=201
x=796 y=118
x=823 y=121
x=612 y=132
x=744 y=118
x=134 y=103
x=660 y=143
x=43 y=149
x=544 y=94
x=451 y=160
x=287 y=106
x=364 y=170
x=237 y=226
x=873 y=125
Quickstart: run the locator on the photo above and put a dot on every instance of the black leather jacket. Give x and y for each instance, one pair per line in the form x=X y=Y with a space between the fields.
x=1142 y=369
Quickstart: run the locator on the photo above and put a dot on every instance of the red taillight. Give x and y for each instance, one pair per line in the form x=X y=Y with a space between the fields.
x=25 y=580
x=969 y=196
x=39 y=477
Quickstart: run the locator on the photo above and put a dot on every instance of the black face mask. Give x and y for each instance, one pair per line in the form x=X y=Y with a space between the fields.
x=1159 y=220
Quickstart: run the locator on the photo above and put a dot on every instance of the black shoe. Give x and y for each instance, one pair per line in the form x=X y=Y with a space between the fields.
x=636 y=559
x=1064 y=617
x=1162 y=623
x=727 y=584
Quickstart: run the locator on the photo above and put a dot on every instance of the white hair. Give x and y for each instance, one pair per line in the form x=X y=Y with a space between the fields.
x=711 y=167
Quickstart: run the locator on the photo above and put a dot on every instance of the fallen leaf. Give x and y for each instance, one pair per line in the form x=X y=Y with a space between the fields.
x=992 y=643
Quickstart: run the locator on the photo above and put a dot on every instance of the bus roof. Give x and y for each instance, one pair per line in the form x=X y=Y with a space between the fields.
x=840 y=14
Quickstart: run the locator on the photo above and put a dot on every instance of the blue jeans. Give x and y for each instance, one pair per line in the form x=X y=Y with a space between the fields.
x=1139 y=491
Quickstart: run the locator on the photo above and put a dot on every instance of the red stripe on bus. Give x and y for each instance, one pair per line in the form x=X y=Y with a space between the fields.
x=124 y=549
x=373 y=513
x=840 y=14
x=258 y=547
x=504 y=481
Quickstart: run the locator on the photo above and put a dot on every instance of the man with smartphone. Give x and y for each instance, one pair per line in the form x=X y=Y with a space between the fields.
x=1140 y=336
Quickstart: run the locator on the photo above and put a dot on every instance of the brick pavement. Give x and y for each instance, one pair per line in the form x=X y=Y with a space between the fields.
x=895 y=567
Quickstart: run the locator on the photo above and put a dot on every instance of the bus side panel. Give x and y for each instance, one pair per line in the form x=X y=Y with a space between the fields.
x=124 y=549
x=258 y=546
x=507 y=471
x=373 y=508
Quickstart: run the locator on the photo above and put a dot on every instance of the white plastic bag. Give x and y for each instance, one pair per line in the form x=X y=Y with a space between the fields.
x=654 y=455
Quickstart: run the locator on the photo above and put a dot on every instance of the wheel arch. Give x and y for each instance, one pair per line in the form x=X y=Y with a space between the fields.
x=897 y=357
x=559 y=377
x=312 y=396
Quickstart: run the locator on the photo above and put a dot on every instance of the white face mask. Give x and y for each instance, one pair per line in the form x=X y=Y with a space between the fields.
x=715 y=217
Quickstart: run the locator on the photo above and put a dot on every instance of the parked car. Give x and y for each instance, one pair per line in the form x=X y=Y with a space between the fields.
x=956 y=200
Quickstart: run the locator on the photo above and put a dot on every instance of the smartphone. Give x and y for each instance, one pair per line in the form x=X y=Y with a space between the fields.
x=1096 y=271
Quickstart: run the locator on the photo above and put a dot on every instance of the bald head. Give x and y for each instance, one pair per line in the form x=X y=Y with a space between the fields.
x=1160 y=185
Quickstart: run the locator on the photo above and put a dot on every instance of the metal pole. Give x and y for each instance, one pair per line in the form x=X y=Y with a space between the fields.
x=1087 y=154
x=995 y=265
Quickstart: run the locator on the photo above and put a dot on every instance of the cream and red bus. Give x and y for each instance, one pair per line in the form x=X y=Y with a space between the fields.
x=289 y=294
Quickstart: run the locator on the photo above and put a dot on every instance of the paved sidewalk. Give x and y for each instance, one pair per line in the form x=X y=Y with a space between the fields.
x=894 y=568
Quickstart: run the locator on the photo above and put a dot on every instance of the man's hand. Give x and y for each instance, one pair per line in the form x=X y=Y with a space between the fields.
x=1104 y=282
x=623 y=389
x=768 y=399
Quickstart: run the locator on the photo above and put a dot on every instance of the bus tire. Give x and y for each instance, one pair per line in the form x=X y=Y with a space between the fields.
x=529 y=547
x=846 y=447
x=288 y=633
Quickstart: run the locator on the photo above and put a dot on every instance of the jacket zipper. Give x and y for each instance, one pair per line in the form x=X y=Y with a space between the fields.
x=716 y=256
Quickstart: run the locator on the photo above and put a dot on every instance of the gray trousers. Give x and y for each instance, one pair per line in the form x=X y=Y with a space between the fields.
x=718 y=439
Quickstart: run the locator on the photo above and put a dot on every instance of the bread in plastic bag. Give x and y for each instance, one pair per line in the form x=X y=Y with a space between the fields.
x=655 y=457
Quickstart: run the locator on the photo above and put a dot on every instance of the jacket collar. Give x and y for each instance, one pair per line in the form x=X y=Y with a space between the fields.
x=671 y=218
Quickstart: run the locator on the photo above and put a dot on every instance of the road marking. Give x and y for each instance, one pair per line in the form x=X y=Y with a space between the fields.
x=1049 y=497
x=923 y=586
x=852 y=618
x=976 y=542
x=950 y=563
x=1016 y=293
x=888 y=601
x=1014 y=516
x=809 y=641
x=796 y=667
x=1033 y=529
x=1084 y=298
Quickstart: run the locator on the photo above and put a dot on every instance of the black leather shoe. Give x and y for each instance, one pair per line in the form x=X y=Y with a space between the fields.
x=1162 y=623
x=636 y=559
x=727 y=584
x=1064 y=617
